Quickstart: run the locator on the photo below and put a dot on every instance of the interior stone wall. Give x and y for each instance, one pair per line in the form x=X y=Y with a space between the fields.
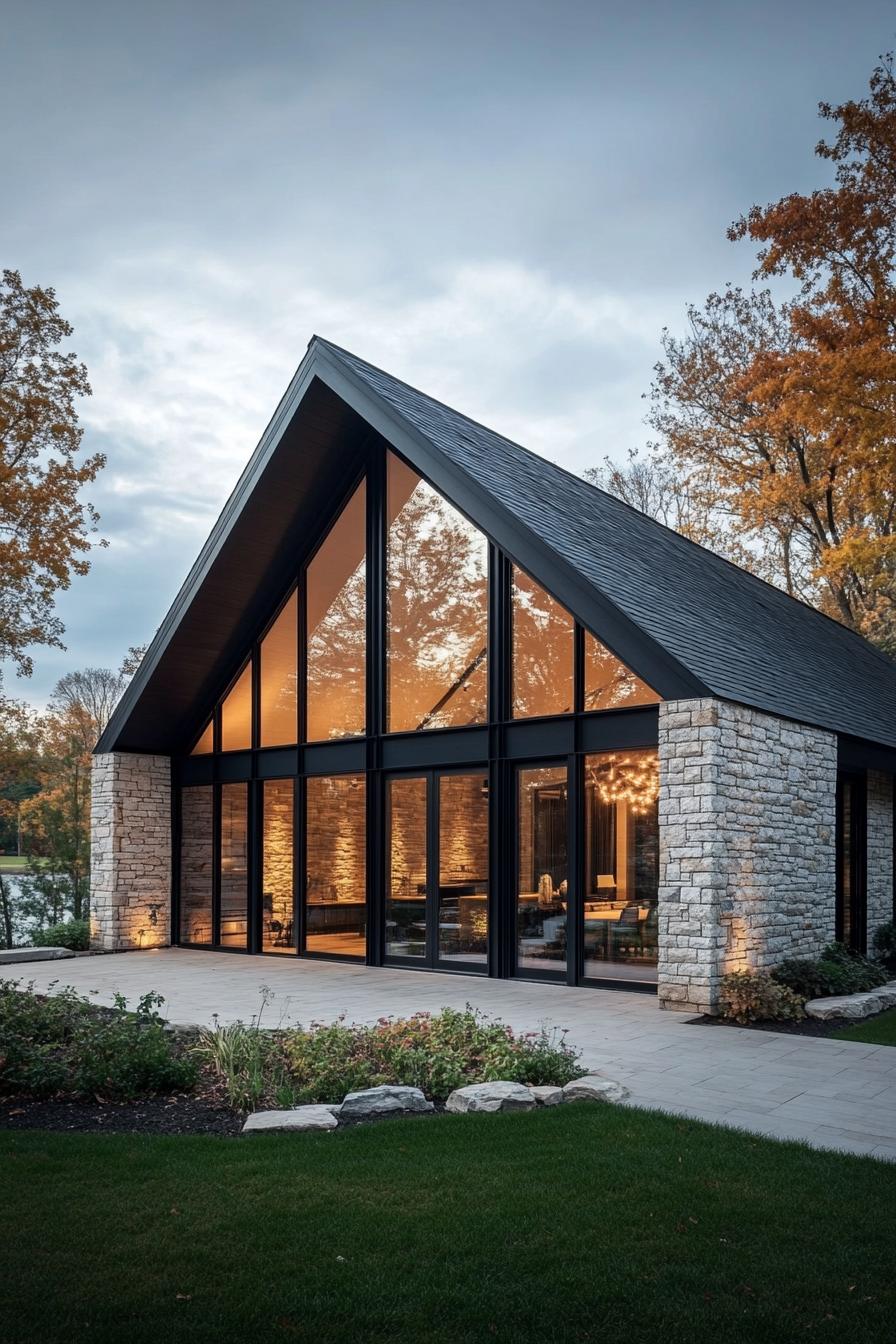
x=277 y=852
x=130 y=834
x=463 y=829
x=747 y=845
x=336 y=838
x=880 y=851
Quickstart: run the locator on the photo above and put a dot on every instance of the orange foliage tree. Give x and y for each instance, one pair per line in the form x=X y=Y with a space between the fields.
x=44 y=526
x=780 y=417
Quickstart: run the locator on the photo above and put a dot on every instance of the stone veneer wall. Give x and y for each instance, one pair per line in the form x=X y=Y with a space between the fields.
x=130 y=836
x=880 y=851
x=747 y=845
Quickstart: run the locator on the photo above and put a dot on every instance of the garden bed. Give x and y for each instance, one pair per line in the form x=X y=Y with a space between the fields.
x=69 y=1065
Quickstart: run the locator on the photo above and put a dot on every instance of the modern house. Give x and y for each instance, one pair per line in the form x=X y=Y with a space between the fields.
x=428 y=700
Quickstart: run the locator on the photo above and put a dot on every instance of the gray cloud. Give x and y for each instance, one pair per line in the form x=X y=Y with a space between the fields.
x=501 y=202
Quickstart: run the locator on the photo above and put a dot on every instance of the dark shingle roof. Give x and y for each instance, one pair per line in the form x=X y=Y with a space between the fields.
x=742 y=638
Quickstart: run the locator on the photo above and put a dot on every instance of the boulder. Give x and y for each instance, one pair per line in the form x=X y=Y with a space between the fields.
x=385 y=1100
x=547 y=1095
x=594 y=1088
x=300 y=1117
x=491 y=1097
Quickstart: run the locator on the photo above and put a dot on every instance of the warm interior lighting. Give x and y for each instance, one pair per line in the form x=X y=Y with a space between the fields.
x=279 y=678
x=336 y=865
x=236 y=714
x=278 y=921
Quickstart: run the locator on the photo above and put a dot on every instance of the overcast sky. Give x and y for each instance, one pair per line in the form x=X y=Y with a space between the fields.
x=502 y=203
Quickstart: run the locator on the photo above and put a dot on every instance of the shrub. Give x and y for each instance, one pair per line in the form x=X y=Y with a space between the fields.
x=884 y=945
x=73 y=934
x=126 y=1055
x=63 y=1045
x=838 y=970
x=748 y=996
x=436 y=1053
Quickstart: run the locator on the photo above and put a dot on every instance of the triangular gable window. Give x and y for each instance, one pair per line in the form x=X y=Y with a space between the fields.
x=609 y=684
x=206 y=743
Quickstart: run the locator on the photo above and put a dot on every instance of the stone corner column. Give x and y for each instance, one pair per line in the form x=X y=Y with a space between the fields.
x=747 y=845
x=691 y=881
x=130 y=851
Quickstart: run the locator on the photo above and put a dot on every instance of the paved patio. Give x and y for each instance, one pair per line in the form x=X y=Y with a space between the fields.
x=831 y=1094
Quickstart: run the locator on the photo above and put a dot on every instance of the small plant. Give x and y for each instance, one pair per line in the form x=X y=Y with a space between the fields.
x=247 y=1062
x=837 y=971
x=73 y=934
x=884 y=945
x=749 y=996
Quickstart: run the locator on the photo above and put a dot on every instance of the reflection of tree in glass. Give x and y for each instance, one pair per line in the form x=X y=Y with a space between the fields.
x=437 y=594
x=609 y=684
x=336 y=657
x=542 y=651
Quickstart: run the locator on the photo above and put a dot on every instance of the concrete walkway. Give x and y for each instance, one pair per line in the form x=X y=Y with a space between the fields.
x=831 y=1094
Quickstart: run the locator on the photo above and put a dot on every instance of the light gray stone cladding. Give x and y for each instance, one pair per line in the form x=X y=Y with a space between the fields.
x=130 y=836
x=747 y=814
x=880 y=851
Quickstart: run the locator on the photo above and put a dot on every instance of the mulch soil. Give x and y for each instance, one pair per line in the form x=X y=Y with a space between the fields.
x=181 y=1114
x=809 y=1026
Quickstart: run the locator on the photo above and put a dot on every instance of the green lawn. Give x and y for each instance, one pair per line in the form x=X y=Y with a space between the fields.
x=880 y=1030
x=574 y=1224
x=13 y=863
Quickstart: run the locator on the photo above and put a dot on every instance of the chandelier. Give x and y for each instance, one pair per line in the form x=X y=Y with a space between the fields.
x=628 y=777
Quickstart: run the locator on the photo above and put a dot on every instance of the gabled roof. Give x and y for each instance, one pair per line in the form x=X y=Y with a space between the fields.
x=687 y=621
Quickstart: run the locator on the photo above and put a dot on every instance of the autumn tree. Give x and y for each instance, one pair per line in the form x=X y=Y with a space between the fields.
x=780 y=416
x=652 y=483
x=45 y=527
x=46 y=759
x=19 y=781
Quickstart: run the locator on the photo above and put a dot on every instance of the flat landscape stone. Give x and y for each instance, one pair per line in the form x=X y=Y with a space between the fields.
x=594 y=1088
x=547 y=1095
x=490 y=1097
x=300 y=1117
x=854 y=1006
x=384 y=1100
x=12 y=955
